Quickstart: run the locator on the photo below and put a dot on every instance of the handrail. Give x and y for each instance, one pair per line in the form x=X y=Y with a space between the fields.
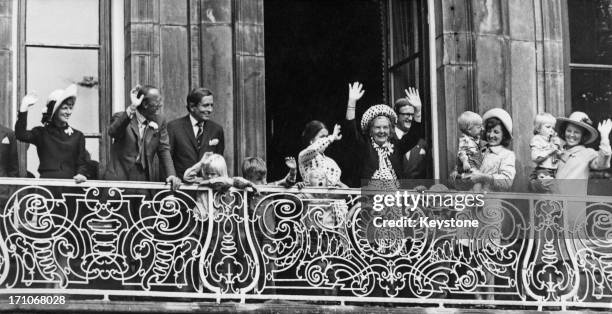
x=535 y=250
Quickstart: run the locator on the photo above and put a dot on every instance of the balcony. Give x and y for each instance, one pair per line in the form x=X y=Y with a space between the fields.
x=118 y=241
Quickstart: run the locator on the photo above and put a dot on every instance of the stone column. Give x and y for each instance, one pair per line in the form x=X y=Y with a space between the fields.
x=217 y=63
x=6 y=55
x=250 y=115
x=142 y=42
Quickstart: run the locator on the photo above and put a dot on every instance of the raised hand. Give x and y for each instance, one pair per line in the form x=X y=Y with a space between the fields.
x=412 y=94
x=290 y=162
x=355 y=91
x=28 y=101
x=337 y=136
x=604 y=129
x=136 y=101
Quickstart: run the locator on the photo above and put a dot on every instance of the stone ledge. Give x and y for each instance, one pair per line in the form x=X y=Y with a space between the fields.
x=98 y=306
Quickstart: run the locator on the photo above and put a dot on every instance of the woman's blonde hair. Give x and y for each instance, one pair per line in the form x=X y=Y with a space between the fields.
x=214 y=162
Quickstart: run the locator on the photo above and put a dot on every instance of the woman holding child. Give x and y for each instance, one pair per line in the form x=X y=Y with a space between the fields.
x=497 y=170
x=574 y=162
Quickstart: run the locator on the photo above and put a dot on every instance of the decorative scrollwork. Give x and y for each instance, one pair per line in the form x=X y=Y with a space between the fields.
x=283 y=243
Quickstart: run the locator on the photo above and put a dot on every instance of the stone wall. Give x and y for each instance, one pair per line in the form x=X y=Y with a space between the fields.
x=497 y=53
x=217 y=44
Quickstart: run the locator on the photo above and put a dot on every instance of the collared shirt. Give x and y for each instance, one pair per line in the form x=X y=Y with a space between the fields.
x=141 y=123
x=399 y=133
x=499 y=162
x=194 y=126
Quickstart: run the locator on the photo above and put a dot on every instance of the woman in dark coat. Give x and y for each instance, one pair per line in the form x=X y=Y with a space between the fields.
x=380 y=153
x=61 y=149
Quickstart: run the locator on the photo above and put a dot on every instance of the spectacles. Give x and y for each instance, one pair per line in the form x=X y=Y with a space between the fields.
x=405 y=114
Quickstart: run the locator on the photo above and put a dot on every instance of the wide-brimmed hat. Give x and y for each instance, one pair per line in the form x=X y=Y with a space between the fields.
x=580 y=119
x=376 y=111
x=502 y=115
x=59 y=95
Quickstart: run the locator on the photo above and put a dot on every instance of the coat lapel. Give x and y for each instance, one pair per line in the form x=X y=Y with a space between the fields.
x=206 y=136
x=134 y=127
x=189 y=131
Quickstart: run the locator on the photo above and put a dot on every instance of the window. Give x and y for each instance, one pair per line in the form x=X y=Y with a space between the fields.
x=408 y=55
x=64 y=42
x=590 y=30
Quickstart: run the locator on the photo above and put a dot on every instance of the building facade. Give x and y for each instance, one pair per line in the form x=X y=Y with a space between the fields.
x=273 y=65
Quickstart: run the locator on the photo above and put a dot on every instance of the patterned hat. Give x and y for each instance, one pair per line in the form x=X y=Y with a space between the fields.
x=376 y=111
x=580 y=119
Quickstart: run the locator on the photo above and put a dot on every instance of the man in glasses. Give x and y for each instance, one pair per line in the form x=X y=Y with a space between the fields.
x=195 y=134
x=408 y=112
x=139 y=133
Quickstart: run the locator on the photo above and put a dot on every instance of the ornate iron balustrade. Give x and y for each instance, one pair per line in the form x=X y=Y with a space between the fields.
x=109 y=239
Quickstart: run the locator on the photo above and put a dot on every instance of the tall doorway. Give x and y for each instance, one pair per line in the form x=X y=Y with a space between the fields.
x=313 y=50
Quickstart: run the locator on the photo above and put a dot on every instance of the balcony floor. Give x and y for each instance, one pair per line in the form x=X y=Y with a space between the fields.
x=97 y=306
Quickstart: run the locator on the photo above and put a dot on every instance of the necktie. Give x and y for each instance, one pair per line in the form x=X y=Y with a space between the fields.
x=141 y=149
x=200 y=133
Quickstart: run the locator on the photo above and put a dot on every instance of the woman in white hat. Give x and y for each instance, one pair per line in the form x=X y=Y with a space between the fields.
x=61 y=149
x=381 y=154
x=577 y=160
x=498 y=167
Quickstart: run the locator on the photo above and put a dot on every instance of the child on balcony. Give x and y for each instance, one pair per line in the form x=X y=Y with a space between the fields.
x=254 y=169
x=469 y=153
x=211 y=171
x=545 y=147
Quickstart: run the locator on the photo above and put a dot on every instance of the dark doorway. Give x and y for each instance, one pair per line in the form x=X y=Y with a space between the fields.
x=313 y=50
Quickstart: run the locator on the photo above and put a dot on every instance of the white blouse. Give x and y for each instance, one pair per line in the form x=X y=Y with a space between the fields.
x=313 y=158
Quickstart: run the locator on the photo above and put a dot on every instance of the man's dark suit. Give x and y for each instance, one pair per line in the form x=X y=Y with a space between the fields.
x=184 y=147
x=414 y=162
x=125 y=147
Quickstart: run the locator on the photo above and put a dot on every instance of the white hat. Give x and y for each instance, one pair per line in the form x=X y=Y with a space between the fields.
x=59 y=95
x=376 y=111
x=502 y=115
x=580 y=119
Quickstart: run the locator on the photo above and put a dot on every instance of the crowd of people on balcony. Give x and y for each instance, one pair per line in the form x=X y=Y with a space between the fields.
x=389 y=141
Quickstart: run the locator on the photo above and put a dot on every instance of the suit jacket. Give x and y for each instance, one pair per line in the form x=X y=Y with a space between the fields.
x=9 y=163
x=367 y=155
x=125 y=147
x=413 y=162
x=183 y=144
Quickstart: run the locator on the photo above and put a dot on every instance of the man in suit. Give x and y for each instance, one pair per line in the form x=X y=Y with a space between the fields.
x=408 y=112
x=9 y=163
x=194 y=134
x=138 y=134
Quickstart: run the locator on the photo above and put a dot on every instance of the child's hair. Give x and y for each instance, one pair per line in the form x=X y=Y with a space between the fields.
x=542 y=118
x=313 y=173
x=214 y=162
x=467 y=119
x=254 y=168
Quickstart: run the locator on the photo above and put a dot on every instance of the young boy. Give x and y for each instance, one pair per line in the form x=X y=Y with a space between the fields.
x=469 y=153
x=254 y=169
x=545 y=146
